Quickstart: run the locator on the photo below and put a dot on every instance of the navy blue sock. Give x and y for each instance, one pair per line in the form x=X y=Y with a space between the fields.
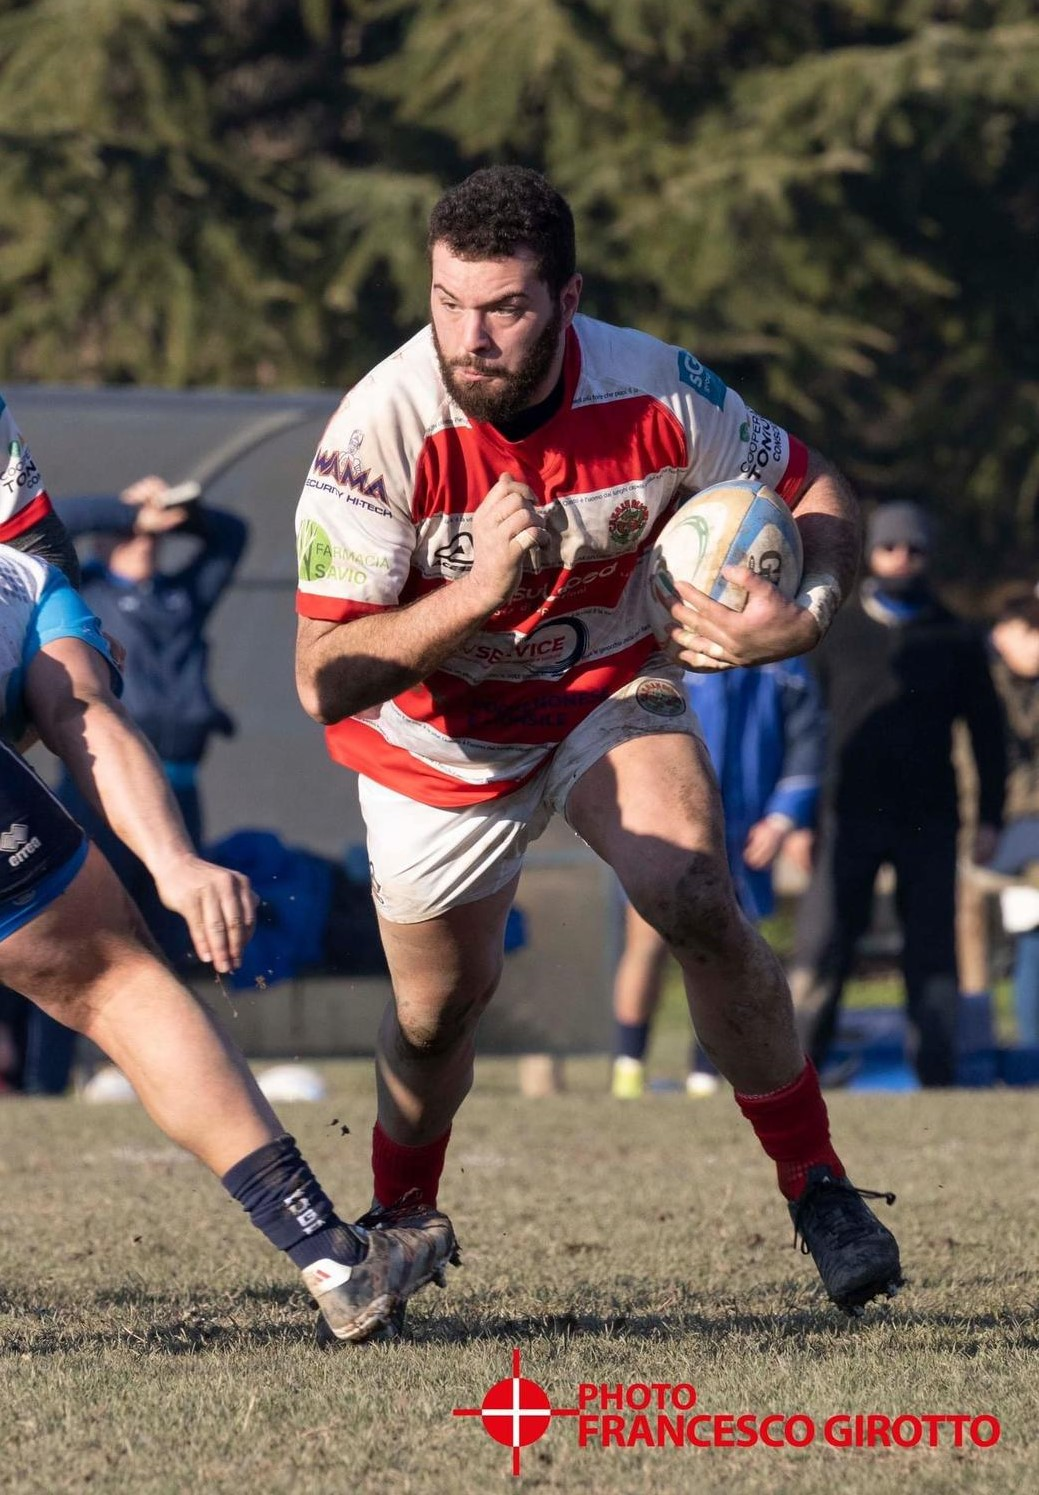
x=630 y=1040
x=283 y=1199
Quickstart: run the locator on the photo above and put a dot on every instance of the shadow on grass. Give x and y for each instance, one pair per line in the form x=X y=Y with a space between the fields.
x=810 y=1326
x=187 y=1325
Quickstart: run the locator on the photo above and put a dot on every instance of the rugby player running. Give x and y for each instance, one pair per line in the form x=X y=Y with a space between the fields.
x=473 y=541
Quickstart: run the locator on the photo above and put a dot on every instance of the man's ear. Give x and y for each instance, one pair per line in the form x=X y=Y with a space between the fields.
x=570 y=298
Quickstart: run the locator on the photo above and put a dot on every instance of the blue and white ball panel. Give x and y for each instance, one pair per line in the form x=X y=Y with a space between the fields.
x=739 y=523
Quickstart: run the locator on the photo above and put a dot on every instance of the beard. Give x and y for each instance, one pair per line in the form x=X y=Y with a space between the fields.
x=512 y=389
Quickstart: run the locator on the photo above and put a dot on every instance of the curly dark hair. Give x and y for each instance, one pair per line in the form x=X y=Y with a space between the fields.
x=501 y=209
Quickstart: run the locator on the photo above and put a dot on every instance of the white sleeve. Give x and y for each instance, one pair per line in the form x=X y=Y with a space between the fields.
x=728 y=440
x=23 y=498
x=354 y=532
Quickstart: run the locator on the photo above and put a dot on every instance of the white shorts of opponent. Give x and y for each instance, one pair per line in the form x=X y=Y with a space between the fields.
x=426 y=860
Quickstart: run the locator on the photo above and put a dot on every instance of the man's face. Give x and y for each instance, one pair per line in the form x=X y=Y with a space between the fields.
x=898 y=562
x=1018 y=643
x=498 y=331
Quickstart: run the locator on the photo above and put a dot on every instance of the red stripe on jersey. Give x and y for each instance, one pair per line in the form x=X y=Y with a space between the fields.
x=334 y=609
x=538 y=710
x=356 y=745
x=789 y=486
x=33 y=512
x=540 y=596
x=604 y=444
x=505 y=712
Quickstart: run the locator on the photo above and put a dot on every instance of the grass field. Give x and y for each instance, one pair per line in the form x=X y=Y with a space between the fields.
x=151 y=1341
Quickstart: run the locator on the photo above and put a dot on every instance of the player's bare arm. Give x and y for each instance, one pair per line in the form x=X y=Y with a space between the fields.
x=78 y=718
x=710 y=636
x=344 y=668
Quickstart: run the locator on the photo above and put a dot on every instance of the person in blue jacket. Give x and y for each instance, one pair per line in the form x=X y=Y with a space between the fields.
x=159 y=617
x=765 y=731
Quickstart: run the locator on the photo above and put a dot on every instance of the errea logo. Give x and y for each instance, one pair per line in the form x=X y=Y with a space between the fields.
x=17 y=845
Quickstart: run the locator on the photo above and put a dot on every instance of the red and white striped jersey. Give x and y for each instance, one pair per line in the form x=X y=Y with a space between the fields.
x=23 y=498
x=385 y=517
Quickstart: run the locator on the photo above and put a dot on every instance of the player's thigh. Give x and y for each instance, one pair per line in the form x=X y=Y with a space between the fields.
x=86 y=935
x=650 y=807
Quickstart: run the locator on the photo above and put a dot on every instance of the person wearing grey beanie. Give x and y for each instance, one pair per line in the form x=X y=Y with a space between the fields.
x=896 y=671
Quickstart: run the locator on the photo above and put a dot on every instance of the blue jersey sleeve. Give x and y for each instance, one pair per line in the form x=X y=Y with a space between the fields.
x=62 y=613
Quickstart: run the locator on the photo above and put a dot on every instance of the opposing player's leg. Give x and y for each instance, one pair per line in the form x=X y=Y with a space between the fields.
x=651 y=809
x=72 y=941
x=88 y=961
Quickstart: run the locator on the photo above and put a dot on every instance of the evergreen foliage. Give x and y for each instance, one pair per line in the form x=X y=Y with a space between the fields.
x=835 y=203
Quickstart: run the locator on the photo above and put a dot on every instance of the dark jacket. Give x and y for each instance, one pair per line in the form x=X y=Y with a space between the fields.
x=893 y=687
x=161 y=623
x=1020 y=698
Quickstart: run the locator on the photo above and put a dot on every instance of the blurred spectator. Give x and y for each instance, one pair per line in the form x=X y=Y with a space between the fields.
x=159 y=617
x=1015 y=669
x=765 y=731
x=897 y=669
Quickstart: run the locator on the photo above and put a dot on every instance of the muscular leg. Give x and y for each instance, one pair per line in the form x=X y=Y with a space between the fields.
x=444 y=972
x=651 y=809
x=87 y=961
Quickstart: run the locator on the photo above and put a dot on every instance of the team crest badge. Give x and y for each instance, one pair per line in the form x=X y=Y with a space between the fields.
x=627 y=521
x=660 y=698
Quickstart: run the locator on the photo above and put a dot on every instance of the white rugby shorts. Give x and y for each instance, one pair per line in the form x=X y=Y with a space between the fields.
x=425 y=859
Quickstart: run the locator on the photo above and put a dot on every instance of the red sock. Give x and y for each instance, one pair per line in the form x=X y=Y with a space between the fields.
x=792 y=1126
x=397 y=1169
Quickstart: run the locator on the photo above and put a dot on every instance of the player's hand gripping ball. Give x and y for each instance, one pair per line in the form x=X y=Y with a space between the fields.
x=737 y=523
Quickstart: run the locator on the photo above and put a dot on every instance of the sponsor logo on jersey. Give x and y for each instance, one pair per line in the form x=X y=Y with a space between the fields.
x=660 y=698
x=552 y=649
x=628 y=521
x=313 y=551
x=703 y=380
x=457 y=555
x=764 y=443
x=346 y=471
x=569 y=582
x=321 y=560
x=21 y=471
x=17 y=845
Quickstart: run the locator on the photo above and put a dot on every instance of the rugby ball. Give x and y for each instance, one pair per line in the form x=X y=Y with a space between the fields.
x=737 y=523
